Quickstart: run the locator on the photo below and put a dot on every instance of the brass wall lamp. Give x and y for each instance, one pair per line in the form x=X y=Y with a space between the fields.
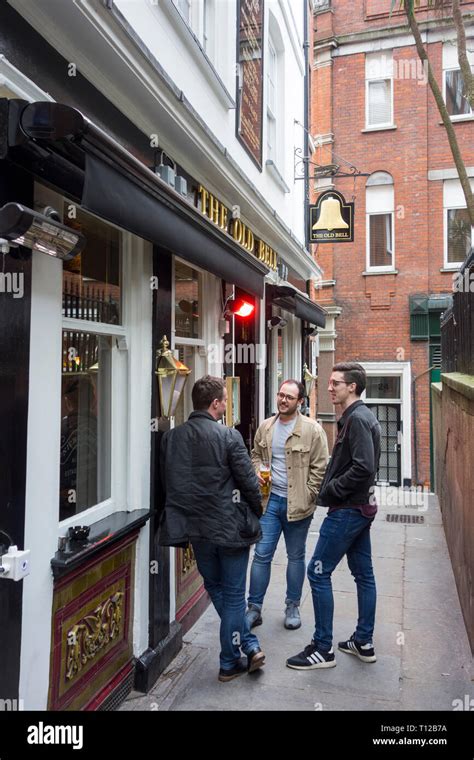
x=171 y=375
x=309 y=380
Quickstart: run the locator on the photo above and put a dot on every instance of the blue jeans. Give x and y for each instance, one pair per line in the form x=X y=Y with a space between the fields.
x=224 y=572
x=273 y=522
x=345 y=531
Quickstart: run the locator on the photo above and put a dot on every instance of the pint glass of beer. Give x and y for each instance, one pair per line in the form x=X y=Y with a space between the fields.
x=265 y=474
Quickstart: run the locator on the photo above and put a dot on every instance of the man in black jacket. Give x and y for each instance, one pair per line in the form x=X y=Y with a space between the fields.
x=347 y=490
x=212 y=499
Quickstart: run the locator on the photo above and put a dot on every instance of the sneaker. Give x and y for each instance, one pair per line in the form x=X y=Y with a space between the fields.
x=228 y=675
x=253 y=616
x=364 y=652
x=292 y=615
x=255 y=660
x=311 y=658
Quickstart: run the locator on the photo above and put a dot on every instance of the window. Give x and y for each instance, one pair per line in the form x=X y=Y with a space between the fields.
x=271 y=102
x=184 y=7
x=379 y=89
x=92 y=316
x=187 y=301
x=454 y=91
x=380 y=222
x=275 y=99
x=456 y=101
x=458 y=234
x=199 y=15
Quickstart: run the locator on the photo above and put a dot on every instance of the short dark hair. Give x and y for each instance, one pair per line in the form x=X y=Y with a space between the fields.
x=299 y=385
x=353 y=373
x=205 y=390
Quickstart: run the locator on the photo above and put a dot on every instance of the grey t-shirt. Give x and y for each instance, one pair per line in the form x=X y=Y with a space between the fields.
x=281 y=432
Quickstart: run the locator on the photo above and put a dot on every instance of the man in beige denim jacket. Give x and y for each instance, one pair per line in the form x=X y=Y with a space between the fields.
x=295 y=447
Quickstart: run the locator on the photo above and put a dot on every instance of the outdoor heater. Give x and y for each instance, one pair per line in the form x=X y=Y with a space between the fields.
x=20 y=225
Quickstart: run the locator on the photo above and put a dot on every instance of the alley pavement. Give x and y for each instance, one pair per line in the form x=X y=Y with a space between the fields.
x=424 y=660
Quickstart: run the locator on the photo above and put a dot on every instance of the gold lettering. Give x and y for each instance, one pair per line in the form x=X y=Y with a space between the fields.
x=250 y=241
x=204 y=195
x=213 y=212
x=224 y=217
x=237 y=230
x=261 y=250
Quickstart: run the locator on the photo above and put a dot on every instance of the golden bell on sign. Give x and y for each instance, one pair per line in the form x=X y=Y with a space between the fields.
x=330 y=217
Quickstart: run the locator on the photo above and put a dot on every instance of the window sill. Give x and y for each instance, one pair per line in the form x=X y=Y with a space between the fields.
x=380 y=129
x=103 y=533
x=202 y=59
x=458 y=119
x=453 y=268
x=373 y=272
x=276 y=175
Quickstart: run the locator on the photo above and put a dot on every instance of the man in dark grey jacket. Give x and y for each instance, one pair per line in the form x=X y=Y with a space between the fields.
x=347 y=490
x=212 y=500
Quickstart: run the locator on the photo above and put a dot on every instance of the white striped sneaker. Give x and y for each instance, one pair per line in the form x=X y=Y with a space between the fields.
x=311 y=658
x=364 y=652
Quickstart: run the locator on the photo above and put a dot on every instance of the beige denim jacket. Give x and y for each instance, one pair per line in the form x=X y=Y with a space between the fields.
x=306 y=460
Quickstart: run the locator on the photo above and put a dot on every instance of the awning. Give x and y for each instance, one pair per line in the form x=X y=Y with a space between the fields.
x=301 y=306
x=120 y=188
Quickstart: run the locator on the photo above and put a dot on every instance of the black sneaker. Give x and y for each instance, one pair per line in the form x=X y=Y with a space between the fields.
x=228 y=675
x=311 y=658
x=255 y=660
x=364 y=652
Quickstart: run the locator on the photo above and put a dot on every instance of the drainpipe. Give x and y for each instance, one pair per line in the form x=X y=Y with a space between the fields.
x=415 y=437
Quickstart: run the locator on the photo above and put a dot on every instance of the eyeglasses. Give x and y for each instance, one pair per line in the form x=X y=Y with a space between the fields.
x=283 y=396
x=335 y=383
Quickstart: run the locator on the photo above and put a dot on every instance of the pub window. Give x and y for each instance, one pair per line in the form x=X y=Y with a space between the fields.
x=92 y=318
x=187 y=301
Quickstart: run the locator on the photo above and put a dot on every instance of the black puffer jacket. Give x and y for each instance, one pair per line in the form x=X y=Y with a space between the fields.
x=210 y=488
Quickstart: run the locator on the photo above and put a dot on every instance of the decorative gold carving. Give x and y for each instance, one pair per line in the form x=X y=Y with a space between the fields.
x=91 y=634
x=188 y=560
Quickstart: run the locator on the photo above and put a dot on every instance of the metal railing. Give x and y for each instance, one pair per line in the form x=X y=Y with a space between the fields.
x=457 y=324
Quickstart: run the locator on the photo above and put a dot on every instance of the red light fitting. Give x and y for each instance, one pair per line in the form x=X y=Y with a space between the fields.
x=240 y=308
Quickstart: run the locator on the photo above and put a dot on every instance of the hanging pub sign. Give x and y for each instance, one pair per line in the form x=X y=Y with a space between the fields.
x=331 y=219
x=250 y=14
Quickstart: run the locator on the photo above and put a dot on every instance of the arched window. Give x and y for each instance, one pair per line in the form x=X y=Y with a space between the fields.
x=379 y=206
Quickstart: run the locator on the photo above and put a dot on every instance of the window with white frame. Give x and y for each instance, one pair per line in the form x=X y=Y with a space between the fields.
x=184 y=7
x=458 y=236
x=272 y=73
x=380 y=222
x=90 y=369
x=199 y=15
x=454 y=91
x=275 y=94
x=379 y=89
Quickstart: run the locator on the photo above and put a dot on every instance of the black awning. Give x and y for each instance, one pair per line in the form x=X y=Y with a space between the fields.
x=301 y=306
x=120 y=188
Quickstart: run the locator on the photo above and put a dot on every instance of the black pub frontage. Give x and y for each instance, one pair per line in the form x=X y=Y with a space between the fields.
x=103 y=608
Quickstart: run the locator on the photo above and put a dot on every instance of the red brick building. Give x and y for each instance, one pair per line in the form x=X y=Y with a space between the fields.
x=372 y=109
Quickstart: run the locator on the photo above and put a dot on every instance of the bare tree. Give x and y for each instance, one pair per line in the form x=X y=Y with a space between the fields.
x=468 y=79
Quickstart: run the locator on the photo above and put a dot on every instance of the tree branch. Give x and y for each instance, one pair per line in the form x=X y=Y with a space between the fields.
x=453 y=143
